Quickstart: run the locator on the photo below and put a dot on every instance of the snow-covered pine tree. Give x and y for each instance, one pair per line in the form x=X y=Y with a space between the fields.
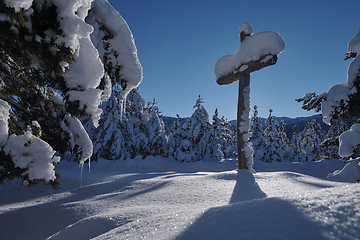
x=199 y=127
x=212 y=147
x=157 y=143
x=311 y=138
x=180 y=146
x=295 y=151
x=138 y=122
x=173 y=137
x=108 y=138
x=224 y=136
x=273 y=148
x=284 y=140
x=257 y=137
x=202 y=134
x=51 y=75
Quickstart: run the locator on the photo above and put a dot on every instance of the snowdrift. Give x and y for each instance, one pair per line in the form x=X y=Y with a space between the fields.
x=157 y=198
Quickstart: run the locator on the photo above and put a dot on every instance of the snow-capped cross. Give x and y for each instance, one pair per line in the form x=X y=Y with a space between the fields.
x=256 y=51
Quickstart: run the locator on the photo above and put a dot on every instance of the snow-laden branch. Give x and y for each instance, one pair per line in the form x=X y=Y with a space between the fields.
x=340 y=98
x=75 y=49
x=339 y=94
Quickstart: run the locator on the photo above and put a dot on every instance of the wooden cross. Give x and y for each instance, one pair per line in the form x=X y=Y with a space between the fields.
x=243 y=75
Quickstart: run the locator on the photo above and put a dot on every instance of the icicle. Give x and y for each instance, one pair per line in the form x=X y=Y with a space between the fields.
x=89 y=165
x=122 y=104
x=81 y=173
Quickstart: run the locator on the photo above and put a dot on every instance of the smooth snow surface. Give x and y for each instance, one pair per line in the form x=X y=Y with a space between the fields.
x=157 y=198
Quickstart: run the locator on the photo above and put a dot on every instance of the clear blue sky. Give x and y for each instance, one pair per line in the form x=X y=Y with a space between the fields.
x=179 y=43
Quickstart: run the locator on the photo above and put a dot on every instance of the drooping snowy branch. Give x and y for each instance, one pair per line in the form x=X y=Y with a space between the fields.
x=116 y=45
x=65 y=55
x=312 y=101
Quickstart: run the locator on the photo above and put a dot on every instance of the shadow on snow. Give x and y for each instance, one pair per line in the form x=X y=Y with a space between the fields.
x=251 y=215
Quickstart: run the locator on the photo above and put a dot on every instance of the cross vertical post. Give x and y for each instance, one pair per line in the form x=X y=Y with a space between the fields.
x=244 y=82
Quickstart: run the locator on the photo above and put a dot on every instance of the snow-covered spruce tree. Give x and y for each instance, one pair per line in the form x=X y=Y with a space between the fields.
x=257 y=137
x=194 y=139
x=157 y=143
x=108 y=137
x=137 y=121
x=173 y=137
x=273 y=149
x=51 y=75
x=295 y=151
x=202 y=134
x=180 y=146
x=224 y=136
x=284 y=140
x=311 y=138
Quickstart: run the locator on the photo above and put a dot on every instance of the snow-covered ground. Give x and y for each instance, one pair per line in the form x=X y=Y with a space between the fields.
x=157 y=198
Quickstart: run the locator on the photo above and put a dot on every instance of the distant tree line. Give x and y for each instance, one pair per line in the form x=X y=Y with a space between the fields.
x=133 y=127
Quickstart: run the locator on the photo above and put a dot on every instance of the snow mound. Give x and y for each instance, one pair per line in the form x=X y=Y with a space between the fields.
x=350 y=172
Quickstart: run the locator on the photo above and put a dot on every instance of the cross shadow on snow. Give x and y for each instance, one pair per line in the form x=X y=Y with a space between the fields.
x=246 y=188
x=251 y=215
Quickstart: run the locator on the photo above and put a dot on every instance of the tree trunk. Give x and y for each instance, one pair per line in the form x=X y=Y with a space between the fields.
x=244 y=82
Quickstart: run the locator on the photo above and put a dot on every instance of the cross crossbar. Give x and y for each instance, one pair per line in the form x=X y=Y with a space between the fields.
x=252 y=66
